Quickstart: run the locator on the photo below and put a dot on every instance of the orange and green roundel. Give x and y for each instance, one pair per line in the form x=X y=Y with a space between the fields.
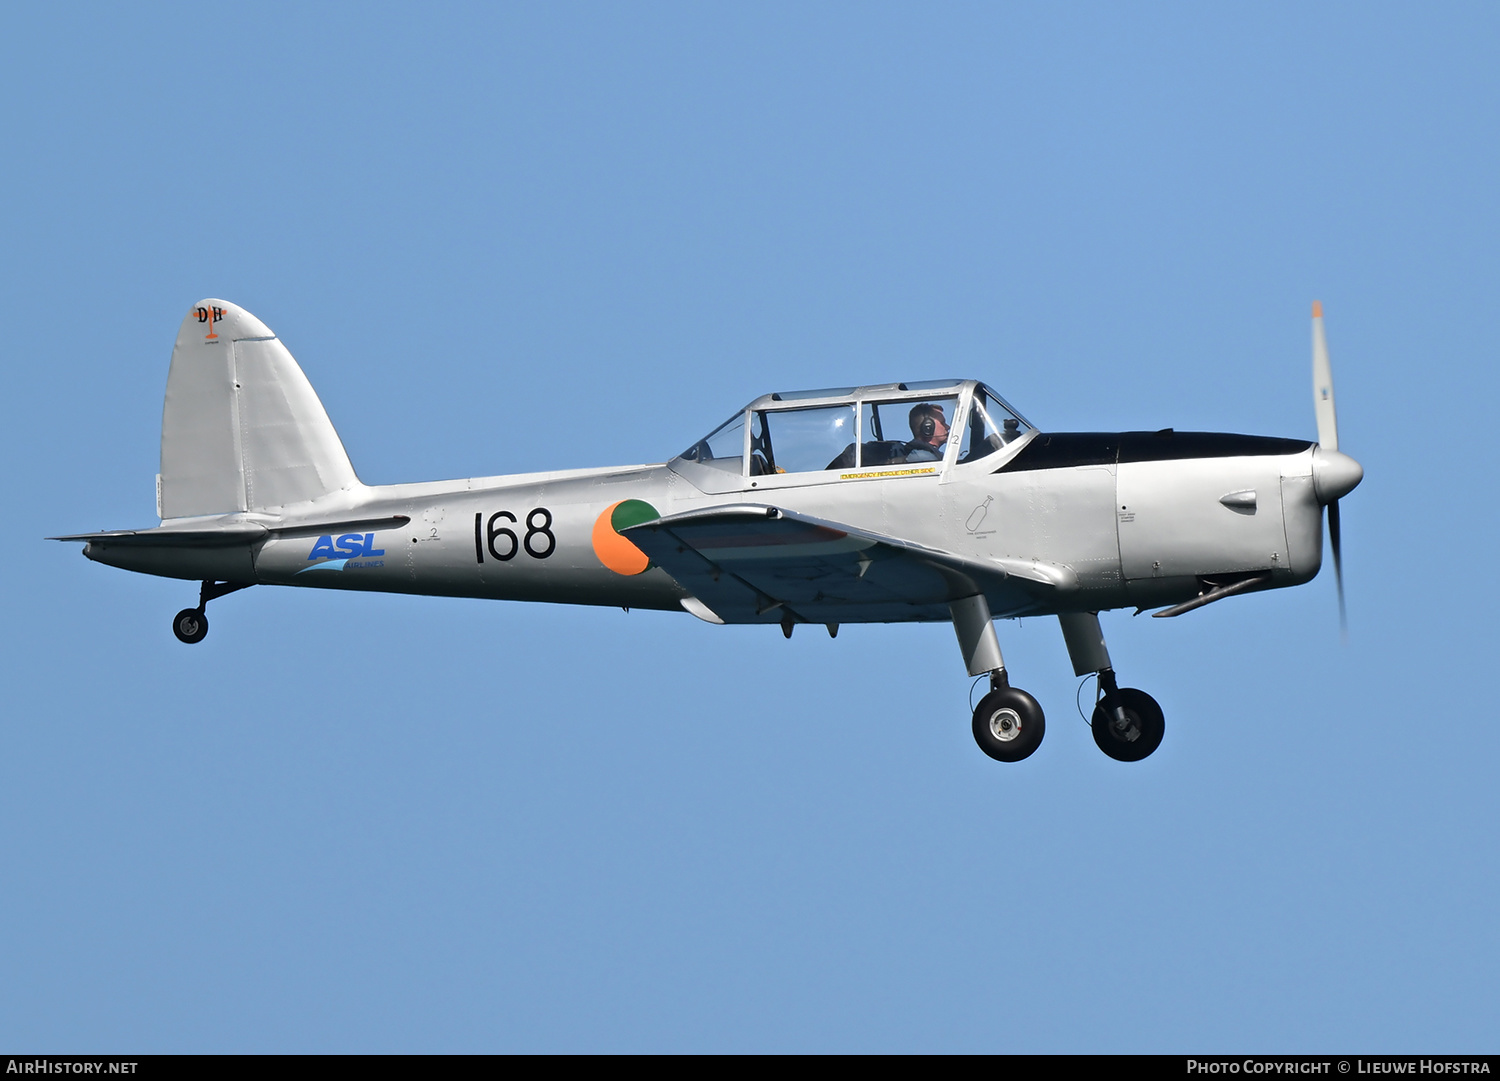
x=613 y=550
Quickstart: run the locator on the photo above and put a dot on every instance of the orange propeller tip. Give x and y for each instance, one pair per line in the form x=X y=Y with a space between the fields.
x=1317 y=309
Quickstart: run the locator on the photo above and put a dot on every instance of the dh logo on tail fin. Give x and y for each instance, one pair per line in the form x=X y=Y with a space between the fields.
x=210 y=316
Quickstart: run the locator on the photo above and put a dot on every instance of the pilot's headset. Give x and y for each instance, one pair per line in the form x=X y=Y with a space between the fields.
x=923 y=423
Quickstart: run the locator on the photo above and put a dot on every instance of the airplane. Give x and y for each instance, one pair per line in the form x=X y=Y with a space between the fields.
x=931 y=501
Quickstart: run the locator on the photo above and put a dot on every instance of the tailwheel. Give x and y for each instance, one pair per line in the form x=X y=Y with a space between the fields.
x=190 y=625
x=1009 y=725
x=1128 y=724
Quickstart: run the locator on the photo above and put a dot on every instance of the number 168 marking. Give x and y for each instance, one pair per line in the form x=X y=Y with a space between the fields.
x=538 y=525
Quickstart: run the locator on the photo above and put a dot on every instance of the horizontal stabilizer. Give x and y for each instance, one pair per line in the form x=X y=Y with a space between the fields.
x=173 y=538
x=346 y=525
x=230 y=533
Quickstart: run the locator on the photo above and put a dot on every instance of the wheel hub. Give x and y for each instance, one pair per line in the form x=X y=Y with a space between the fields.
x=1125 y=726
x=1005 y=724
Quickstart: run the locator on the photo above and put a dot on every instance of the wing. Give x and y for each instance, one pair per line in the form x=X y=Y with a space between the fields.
x=757 y=564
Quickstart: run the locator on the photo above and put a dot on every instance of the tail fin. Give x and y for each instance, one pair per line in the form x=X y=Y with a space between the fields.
x=242 y=428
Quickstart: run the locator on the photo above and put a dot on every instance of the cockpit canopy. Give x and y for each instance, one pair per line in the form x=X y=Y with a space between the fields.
x=894 y=424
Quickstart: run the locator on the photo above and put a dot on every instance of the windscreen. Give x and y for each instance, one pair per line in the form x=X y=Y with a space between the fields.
x=723 y=448
x=992 y=425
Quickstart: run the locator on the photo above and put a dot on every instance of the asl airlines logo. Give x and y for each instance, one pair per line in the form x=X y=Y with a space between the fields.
x=209 y=316
x=350 y=550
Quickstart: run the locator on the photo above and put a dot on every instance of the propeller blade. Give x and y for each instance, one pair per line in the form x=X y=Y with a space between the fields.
x=1336 y=542
x=1328 y=424
x=1334 y=474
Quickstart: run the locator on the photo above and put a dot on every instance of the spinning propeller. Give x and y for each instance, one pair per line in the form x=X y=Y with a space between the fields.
x=1334 y=474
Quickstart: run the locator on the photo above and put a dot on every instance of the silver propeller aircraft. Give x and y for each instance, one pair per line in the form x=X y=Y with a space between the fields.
x=900 y=502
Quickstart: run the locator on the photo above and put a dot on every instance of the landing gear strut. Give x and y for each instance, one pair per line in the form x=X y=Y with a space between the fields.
x=191 y=624
x=1128 y=724
x=1009 y=723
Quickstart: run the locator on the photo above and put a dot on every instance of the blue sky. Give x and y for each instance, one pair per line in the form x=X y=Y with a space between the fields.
x=507 y=238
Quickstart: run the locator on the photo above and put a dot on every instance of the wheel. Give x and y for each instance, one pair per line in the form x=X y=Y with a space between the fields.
x=1144 y=725
x=190 y=625
x=1009 y=725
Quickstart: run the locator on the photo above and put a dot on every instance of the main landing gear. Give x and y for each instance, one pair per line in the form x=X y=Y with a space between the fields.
x=1009 y=723
x=1128 y=724
x=191 y=624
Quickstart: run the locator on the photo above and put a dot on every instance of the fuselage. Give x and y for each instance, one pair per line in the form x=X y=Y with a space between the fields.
x=1116 y=520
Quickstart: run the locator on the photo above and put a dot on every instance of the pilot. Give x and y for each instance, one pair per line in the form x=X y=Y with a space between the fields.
x=930 y=431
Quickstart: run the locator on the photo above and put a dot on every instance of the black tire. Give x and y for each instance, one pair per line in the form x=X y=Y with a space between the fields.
x=190 y=625
x=1144 y=732
x=1009 y=724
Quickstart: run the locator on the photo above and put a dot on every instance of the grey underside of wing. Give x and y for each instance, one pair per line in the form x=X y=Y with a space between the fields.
x=756 y=564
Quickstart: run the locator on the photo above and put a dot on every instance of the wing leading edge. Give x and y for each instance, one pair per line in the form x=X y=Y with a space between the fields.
x=757 y=564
